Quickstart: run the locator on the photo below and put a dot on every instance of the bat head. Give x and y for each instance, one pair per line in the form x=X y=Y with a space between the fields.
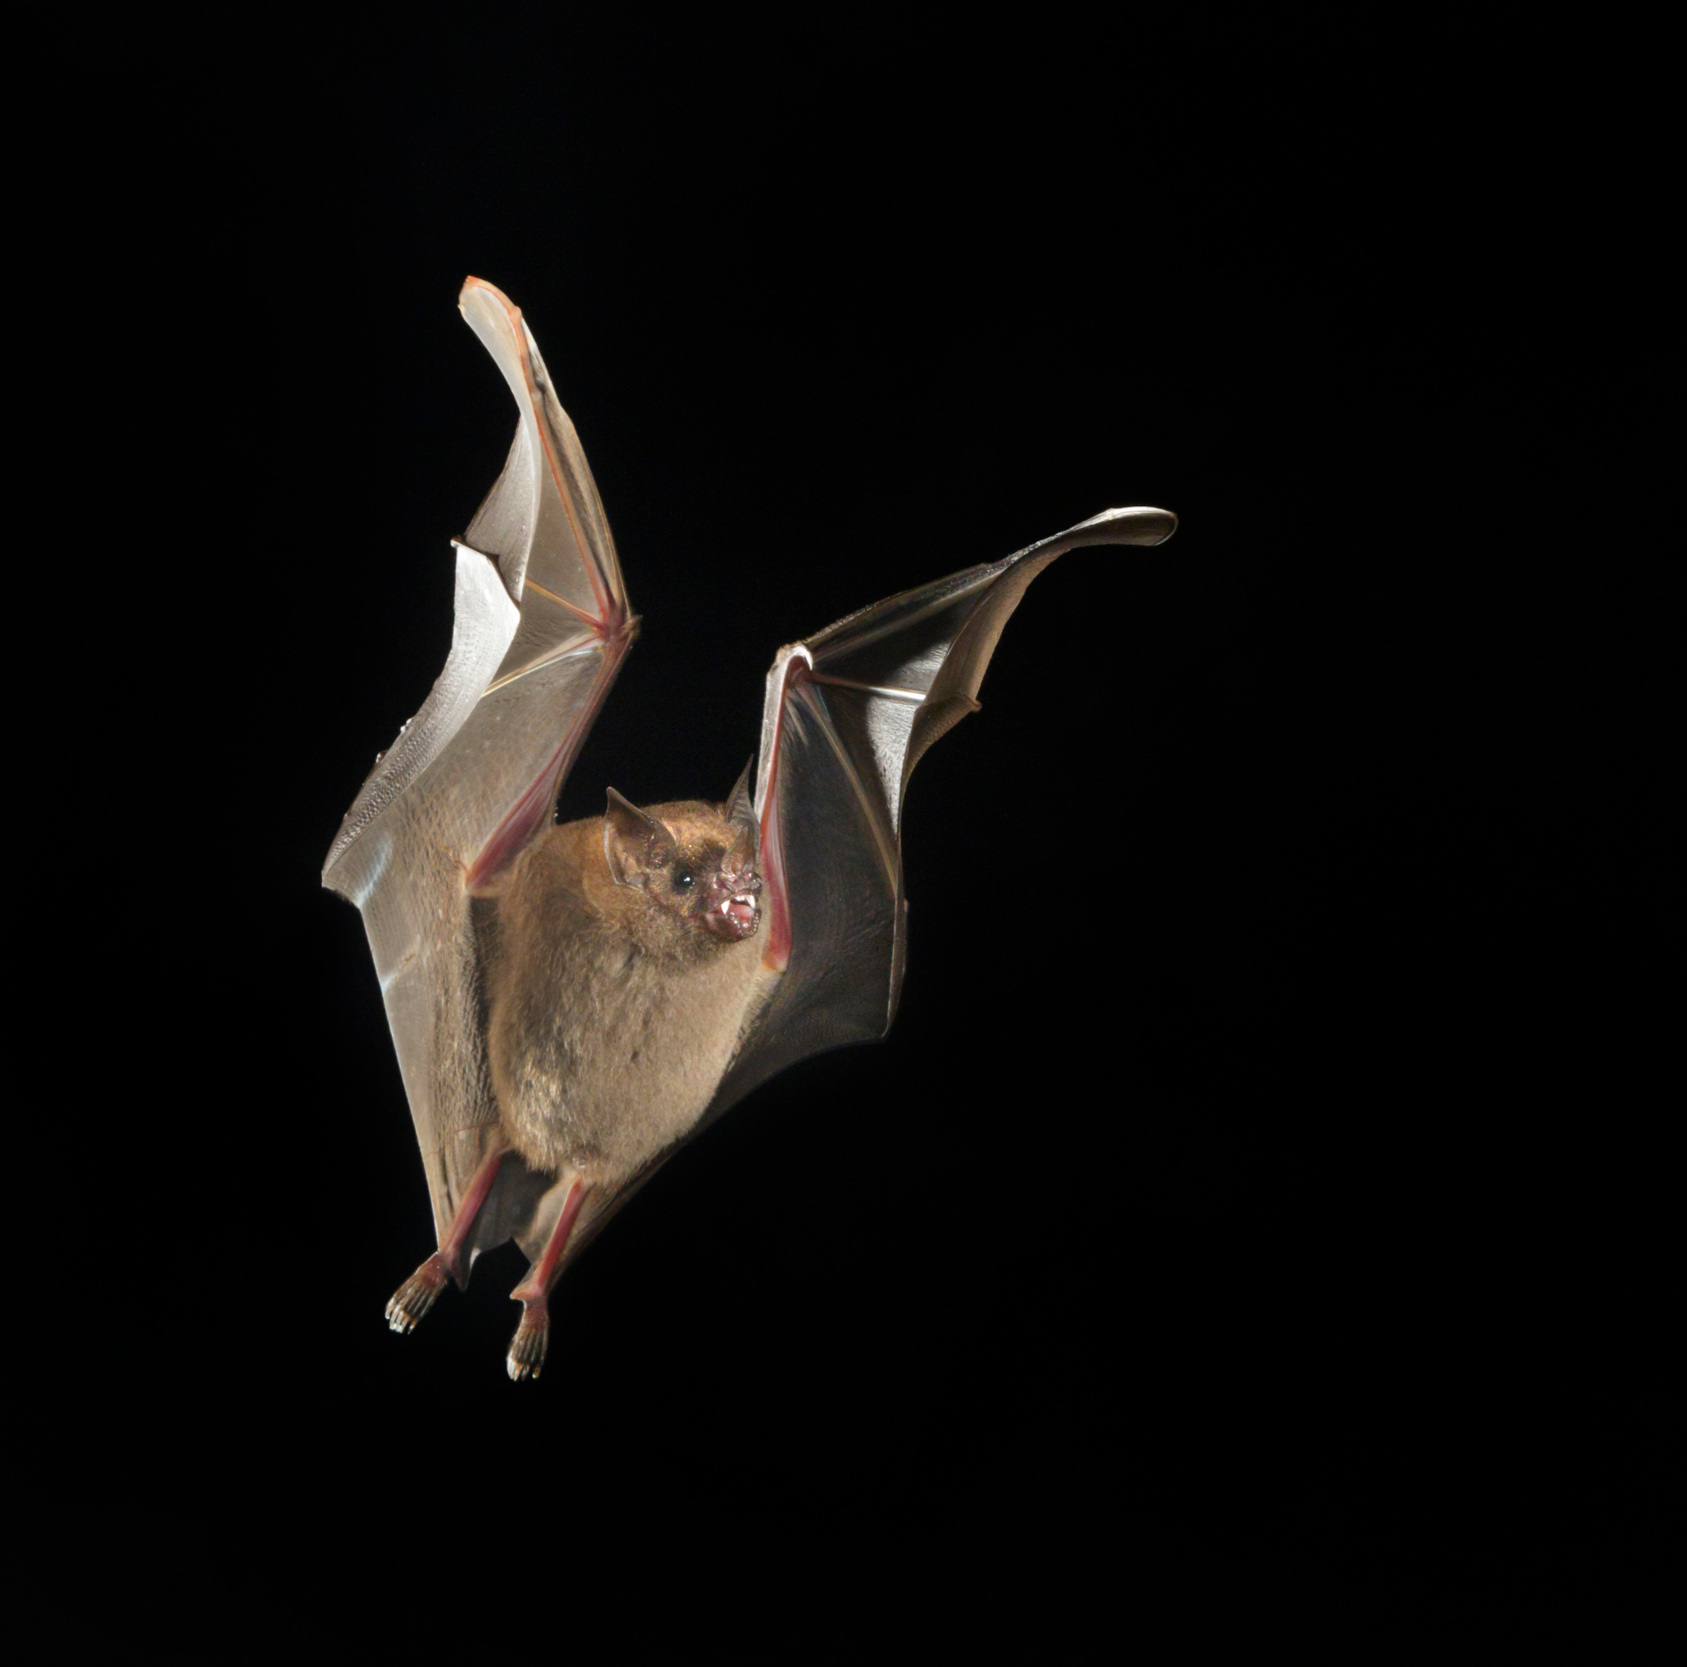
x=692 y=861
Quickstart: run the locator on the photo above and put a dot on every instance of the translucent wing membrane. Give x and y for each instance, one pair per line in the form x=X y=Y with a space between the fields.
x=542 y=626
x=847 y=715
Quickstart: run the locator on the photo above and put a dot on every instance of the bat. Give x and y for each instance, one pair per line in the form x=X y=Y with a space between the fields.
x=572 y=1002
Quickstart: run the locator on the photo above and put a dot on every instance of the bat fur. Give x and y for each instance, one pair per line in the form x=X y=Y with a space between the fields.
x=614 y=1008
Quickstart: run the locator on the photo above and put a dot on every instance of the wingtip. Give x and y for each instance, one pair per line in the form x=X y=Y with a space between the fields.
x=477 y=289
x=1146 y=525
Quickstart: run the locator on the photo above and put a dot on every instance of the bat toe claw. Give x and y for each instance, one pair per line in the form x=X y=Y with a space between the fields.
x=412 y=1300
x=528 y=1346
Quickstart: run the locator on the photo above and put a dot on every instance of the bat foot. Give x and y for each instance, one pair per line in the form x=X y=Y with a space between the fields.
x=411 y=1301
x=532 y=1338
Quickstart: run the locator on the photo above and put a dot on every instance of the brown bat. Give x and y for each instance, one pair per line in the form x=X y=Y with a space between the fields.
x=571 y=1003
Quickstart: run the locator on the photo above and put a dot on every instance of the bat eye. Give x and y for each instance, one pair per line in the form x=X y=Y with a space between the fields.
x=684 y=879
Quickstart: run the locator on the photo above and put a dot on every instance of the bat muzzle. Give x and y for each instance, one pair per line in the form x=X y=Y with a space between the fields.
x=734 y=905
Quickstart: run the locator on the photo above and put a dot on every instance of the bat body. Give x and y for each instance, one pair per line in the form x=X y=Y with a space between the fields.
x=570 y=1003
x=613 y=1016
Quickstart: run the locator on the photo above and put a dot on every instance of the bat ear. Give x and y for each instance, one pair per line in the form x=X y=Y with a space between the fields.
x=634 y=841
x=741 y=813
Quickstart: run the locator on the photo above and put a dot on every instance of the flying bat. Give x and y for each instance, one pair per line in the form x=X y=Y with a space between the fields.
x=572 y=1002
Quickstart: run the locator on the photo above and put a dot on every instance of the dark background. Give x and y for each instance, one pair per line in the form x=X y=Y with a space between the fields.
x=1233 y=1200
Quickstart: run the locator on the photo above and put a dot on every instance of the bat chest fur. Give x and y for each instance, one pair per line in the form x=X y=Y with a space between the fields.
x=613 y=1054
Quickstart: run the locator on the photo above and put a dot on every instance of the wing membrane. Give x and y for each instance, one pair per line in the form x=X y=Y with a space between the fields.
x=542 y=626
x=848 y=713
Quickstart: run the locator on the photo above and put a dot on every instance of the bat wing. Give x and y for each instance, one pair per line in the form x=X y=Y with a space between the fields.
x=542 y=625
x=848 y=714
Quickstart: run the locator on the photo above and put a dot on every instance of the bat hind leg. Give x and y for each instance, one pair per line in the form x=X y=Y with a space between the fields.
x=533 y=1336
x=411 y=1301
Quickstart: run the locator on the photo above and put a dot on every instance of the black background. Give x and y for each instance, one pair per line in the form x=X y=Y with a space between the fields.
x=1231 y=1201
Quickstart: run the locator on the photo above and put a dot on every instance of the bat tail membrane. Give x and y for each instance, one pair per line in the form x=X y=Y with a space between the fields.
x=543 y=626
x=847 y=715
